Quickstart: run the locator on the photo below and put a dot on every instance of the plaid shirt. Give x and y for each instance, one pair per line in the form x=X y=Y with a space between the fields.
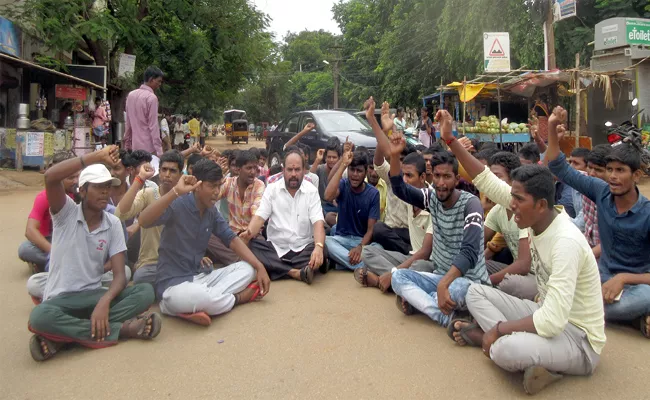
x=591 y=221
x=241 y=212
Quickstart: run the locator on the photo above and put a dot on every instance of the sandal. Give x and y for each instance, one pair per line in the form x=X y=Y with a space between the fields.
x=406 y=308
x=451 y=329
x=256 y=286
x=138 y=333
x=199 y=318
x=37 y=350
x=645 y=325
x=307 y=275
x=361 y=276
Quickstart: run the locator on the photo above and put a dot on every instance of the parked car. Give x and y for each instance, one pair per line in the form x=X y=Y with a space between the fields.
x=329 y=123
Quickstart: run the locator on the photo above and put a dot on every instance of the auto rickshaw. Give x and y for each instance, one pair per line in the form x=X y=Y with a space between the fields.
x=236 y=125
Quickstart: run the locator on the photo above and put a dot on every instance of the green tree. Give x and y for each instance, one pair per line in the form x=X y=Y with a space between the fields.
x=208 y=48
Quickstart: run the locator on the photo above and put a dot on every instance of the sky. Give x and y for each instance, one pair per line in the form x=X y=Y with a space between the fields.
x=298 y=15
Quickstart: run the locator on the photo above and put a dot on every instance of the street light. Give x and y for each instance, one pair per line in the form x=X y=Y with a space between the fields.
x=326 y=62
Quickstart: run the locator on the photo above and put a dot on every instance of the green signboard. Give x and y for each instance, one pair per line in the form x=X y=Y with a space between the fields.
x=638 y=31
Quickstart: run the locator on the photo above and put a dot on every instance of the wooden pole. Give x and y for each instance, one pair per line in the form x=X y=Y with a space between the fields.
x=499 y=105
x=442 y=102
x=19 y=150
x=550 y=36
x=578 y=111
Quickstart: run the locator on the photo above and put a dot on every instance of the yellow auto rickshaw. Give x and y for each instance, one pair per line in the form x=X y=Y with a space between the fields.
x=236 y=125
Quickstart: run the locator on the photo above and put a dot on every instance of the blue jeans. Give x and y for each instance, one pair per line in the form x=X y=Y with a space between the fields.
x=338 y=248
x=420 y=290
x=634 y=303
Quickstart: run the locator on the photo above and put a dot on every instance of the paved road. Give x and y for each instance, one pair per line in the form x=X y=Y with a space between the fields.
x=333 y=339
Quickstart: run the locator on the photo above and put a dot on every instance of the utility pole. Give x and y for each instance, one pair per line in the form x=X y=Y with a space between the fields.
x=336 y=73
x=549 y=38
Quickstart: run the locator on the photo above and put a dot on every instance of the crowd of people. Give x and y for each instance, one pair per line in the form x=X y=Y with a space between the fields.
x=522 y=257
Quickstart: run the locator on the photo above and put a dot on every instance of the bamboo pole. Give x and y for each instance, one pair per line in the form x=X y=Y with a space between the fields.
x=578 y=111
x=462 y=118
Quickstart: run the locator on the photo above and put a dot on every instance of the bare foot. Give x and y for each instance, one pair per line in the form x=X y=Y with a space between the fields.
x=404 y=306
x=131 y=328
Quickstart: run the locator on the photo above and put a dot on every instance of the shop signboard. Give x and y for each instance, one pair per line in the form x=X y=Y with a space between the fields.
x=637 y=31
x=496 y=51
x=70 y=92
x=127 y=65
x=35 y=144
x=563 y=9
x=9 y=38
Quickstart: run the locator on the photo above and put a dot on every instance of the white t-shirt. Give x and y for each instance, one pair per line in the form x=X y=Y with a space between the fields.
x=567 y=274
x=497 y=220
x=291 y=218
x=78 y=257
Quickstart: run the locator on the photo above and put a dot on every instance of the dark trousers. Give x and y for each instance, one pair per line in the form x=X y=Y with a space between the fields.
x=277 y=267
x=392 y=239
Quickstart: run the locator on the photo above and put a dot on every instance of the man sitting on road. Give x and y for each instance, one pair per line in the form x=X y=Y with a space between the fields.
x=137 y=198
x=358 y=211
x=36 y=249
x=380 y=264
x=243 y=194
x=75 y=308
x=623 y=224
x=597 y=167
x=332 y=155
x=516 y=279
x=564 y=332
x=296 y=229
x=186 y=284
x=457 y=257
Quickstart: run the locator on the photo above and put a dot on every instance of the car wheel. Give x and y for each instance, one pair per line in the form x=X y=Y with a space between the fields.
x=274 y=160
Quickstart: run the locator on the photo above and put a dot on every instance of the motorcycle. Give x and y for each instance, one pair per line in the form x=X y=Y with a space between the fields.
x=628 y=132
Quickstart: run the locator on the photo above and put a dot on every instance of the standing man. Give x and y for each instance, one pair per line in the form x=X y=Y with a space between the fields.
x=204 y=132
x=142 y=130
x=86 y=239
x=164 y=133
x=195 y=130
x=426 y=128
x=296 y=230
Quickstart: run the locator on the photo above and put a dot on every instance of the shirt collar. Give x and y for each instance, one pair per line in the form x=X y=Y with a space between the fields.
x=104 y=225
x=146 y=87
x=640 y=202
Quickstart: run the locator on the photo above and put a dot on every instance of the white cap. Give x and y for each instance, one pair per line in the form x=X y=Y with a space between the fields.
x=97 y=173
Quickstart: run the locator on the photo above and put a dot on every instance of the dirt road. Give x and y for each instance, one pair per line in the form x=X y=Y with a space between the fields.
x=333 y=339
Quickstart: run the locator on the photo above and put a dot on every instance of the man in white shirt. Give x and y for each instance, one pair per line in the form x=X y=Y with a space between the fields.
x=296 y=229
x=564 y=331
x=164 y=132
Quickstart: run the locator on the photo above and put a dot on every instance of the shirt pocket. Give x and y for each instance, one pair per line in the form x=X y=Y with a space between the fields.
x=302 y=220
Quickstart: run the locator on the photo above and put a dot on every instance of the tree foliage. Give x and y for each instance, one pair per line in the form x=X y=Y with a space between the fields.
x=208 y=49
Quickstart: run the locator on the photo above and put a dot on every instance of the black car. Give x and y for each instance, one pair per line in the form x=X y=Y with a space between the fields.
x=329 y=123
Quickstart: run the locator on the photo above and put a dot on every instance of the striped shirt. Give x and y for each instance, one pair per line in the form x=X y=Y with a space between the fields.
x=457 y=231
x=241 y=211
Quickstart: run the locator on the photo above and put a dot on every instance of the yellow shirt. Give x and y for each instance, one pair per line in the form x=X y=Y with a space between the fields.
x=195 y=127
x=383 y=192
x=149 y=237
x=567 y=275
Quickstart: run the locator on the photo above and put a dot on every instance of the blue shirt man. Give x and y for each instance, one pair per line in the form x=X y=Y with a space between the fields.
x=358 y=211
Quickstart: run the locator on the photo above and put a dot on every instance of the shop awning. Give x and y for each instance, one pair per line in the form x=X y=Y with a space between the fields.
x=20 y=63
x=471 y=90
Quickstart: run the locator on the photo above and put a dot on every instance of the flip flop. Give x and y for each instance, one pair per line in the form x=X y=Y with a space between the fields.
x=37 y=351
x=156 y=325
x=256 y=286
x=451 y=329
x=361 y=276
x=199 y=318
x=307 y=275
x=408 y=309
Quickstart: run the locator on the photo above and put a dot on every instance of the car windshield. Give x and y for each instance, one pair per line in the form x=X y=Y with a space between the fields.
x=340 y=122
